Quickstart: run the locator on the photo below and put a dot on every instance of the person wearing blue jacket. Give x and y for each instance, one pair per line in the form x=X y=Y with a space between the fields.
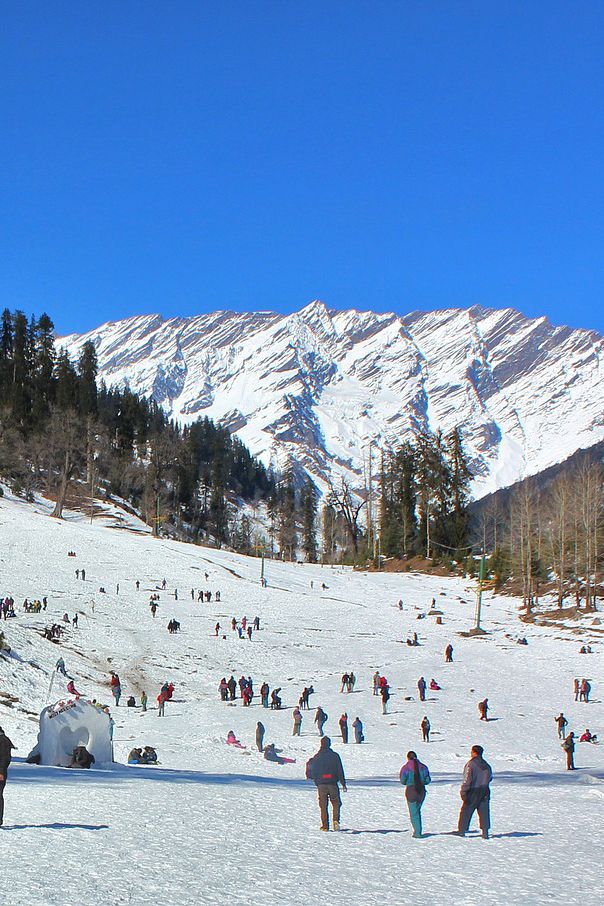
x=415 y=776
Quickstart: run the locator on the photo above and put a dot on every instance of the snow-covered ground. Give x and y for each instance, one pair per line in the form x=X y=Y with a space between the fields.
x=214 y=825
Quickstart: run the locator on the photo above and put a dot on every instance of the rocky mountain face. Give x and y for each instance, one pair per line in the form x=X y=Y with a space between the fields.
x=317 y=387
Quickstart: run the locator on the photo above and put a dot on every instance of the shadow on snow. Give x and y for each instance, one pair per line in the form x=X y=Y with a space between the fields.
x=118 y=773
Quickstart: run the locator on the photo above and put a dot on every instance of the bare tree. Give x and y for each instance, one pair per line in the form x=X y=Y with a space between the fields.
x=348 y=505
x=67 y=446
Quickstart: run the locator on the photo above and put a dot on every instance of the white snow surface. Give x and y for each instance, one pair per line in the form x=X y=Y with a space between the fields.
x=316 y=387
x=215 y=825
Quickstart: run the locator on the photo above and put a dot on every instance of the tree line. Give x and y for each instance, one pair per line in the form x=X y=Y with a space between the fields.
x=548 y=536
x=61 y=431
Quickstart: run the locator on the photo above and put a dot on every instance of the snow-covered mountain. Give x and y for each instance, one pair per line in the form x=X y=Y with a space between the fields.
x=316 y=387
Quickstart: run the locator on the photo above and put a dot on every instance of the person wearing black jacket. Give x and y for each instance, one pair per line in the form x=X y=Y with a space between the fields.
x=6 y=747
x=325 y=769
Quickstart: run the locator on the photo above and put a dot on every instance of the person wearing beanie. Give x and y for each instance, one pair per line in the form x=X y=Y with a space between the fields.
x=325 y=769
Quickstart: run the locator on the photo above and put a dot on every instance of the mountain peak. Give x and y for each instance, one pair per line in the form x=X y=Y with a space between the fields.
x=313 y=386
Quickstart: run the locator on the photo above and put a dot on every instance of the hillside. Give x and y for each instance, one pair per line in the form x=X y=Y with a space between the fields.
x=217 y=825
x=317 y=386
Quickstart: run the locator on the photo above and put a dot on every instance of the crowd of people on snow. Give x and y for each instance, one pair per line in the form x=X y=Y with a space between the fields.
x=325 y=768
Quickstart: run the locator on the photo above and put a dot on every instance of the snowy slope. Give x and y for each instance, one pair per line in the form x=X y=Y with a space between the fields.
x=212 y=825
x=315 y=387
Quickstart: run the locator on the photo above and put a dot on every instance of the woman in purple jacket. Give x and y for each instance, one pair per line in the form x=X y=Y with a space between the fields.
x=415 y=776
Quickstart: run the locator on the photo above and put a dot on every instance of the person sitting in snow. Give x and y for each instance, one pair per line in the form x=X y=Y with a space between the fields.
x=81 y=758
x=149 y=755
x=72 y=689
x=135 y=756
x=233 y=741
x=271 y=754
x=434 y=687
x=588 y=737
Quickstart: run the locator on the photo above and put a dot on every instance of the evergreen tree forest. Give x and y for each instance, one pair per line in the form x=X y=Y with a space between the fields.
x=65 y=435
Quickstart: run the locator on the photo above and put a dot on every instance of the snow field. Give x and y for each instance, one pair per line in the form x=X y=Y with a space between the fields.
x=213 y=824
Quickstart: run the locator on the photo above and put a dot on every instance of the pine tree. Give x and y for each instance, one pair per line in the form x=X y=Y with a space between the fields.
x=66 y=382
x=87 y=372
x=288 y=536
x=308 y=506
x=460 y=478
x=20 y=392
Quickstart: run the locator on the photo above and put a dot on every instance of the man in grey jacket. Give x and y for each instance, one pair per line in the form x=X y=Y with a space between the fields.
x=475 y=793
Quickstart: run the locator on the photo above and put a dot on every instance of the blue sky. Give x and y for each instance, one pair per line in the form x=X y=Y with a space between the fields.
x=186 y=156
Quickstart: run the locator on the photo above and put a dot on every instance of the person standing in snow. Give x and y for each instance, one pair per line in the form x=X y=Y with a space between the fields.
x=425 y=725
x=576 y=689
x=449 y=654
x=326 y=771
x=483 y=709
x=421 y=686
x=562 y=724
x=376 y=683
x=161 y=704
x=144 y=700
x=415 y=776
x=6 y=748
x=385 y=693
x=357 y=726
x=297 y=722
x=569 y=747
x=343 y=722
x=60 y=667
x=260 y=736
x=476 y=793
x=320 y=720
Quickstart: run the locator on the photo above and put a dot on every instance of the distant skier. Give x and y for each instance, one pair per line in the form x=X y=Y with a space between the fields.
x=325 y=769
x=415 y=776
x=475 y=793
x=60 y=667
